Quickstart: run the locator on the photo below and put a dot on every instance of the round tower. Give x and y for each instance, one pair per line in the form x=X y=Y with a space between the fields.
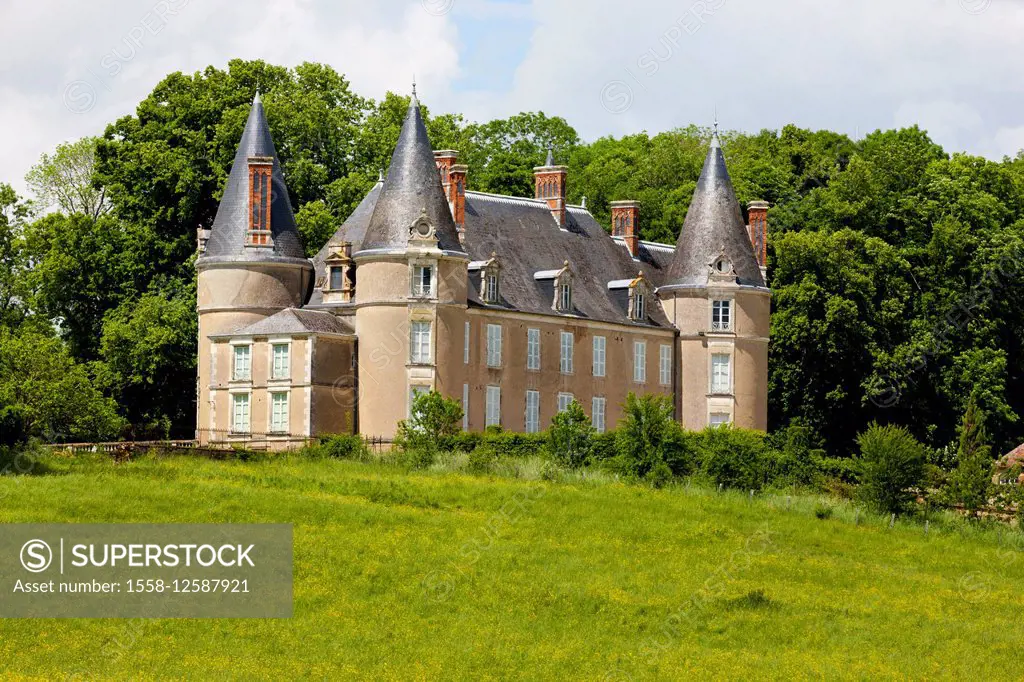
x=251 y=263
x=411 y=291
x=715 y=294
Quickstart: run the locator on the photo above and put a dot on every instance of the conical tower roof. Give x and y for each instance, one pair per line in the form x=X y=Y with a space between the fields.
x=413 y=185
x=713 y=227
x=230 y=228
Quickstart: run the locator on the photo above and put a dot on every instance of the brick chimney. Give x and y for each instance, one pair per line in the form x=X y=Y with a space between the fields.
x=758 y=230
x=626 y=224
x=453 y=181
x=549 y=182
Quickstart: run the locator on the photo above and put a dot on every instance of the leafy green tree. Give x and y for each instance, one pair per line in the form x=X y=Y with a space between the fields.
x=13 y=257
x=571 y=437
x=434 y=423
x=55 y=398
x=648 y=436
x=149 y=362
x=892 y=462
x=970 y=482
x=66 y=179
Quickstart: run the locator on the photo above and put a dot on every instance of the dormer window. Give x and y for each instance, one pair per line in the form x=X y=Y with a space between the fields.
x=337 y=278
x=561 y=281
x=261 y=169
x=492 y=295
x=490 y=279
x=565 y=297
x=638 y=294
x=340 y=284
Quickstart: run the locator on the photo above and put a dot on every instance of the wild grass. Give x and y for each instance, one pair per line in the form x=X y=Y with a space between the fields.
x=528 y=573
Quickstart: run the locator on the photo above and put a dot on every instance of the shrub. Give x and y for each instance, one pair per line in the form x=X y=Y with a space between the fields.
x=892 y=462
x=571 y=437
x=660 y=475
x=602 y=447
x=506 y=444
x=648 y=435
x=482 y=459
x=795 y=456
x=970 y=482
x=466 y=441
x=434 y=424
x=344 y=446
x=734 y=458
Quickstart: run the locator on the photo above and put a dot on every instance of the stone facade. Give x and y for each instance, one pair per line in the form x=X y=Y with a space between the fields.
x=512 y=306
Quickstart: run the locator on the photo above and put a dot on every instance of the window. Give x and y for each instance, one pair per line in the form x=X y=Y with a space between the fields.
x=639 y=361
x=639 y=305
x=720 y=419
x=279 y=413
x=665 y=365
x=565 y=298
x=494 y=345
x=243 y=363
x=565 y=362
x=423 y=280
x=491 y=293
x=564 y=401
x=721 y=316
x=465 y=345
x=493 y=406
x=419 y=343
x=240 y=413
x=282 y=366
x=416 y=391
x=337 y=279
x=597 y=413
x=720 y=373
x=533 y=349
x=465 y=407
x=532 y=411
x=600 y=356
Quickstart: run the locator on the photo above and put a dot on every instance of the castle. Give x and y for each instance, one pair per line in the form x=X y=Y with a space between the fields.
x=513 y=306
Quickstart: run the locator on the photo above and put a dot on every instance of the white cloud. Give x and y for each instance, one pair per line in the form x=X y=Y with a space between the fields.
x=949 y=65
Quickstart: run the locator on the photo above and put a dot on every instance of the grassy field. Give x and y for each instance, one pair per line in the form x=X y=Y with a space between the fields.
x=404 y=575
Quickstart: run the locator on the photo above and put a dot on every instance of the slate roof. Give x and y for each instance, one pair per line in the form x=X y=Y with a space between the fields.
x=352 y=230
x=527 y=240
x=413 y=185
x=714 y=223
x=228 y=234
x=294 y=321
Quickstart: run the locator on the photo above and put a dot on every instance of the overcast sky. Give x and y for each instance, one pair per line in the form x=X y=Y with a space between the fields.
x=951 y=66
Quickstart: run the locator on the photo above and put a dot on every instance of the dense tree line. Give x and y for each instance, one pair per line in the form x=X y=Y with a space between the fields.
x=895 y=266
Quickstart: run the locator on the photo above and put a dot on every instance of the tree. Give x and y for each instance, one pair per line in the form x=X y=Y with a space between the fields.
x=648 y=436
x=971 y=480
x=892 y=462
x=571 y=436
x=12 y=257
x=434 y=420
x=149 y=361
x=56 y=398
x=67 y=179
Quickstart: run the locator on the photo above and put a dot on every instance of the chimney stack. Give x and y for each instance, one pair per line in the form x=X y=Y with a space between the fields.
x=758 y=230
x=453 y=182
x=626 y=224
x=549 y=181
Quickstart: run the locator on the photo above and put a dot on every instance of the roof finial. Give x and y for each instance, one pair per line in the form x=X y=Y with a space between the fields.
x=414 y=87
x=583 y=204
x=551 y=155
x=380 y=175
x=715 y=140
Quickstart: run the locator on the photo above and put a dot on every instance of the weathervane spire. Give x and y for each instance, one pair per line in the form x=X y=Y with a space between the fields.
x=414 y=87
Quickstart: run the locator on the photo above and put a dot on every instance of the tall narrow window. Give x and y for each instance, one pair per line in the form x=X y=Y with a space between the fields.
x=282 y=365
x=465 y=407
x=260 y=190
x=600 y=356
x=532 y=411
x=415 y=391
x=720 y=373
x=721 y=316
x=597 y=413
x=240 y=413
x=465 y=345
x=491 y=287
x=565 y=298
x=279 y=412
x=493 y=406
x=665 y=365
x=533 y=349
x=640 y=361
x=494 y=345
x=337 y=279
x=243 y=363
x=423 y=281
x=565 y=360
x=419 y=343
x=639 y=306
x=564 y=401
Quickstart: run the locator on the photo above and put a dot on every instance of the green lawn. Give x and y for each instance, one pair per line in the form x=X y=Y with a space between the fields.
x=449 y=576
